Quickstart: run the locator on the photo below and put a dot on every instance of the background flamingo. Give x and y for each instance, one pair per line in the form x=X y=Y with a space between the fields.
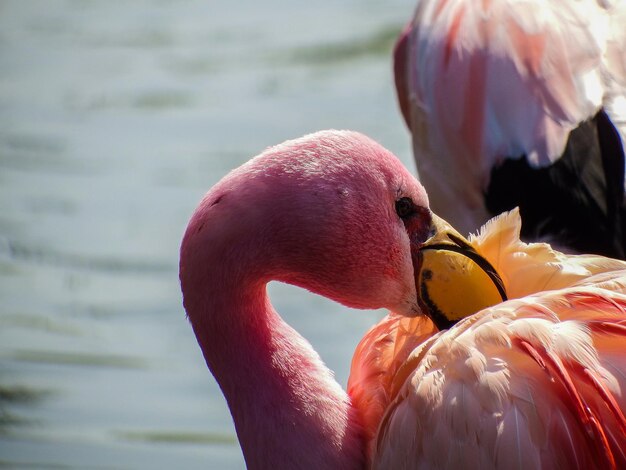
x=520 y=103
x=336 y=213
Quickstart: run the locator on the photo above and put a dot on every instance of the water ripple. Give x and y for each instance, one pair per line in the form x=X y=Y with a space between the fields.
x=18 y=251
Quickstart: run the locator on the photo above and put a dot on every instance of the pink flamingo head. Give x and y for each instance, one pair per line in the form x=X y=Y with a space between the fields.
x=318 y=212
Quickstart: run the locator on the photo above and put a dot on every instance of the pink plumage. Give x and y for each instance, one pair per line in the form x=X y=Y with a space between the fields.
x=535 y=382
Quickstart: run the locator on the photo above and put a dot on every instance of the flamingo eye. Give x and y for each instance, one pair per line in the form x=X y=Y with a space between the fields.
x=405 y=207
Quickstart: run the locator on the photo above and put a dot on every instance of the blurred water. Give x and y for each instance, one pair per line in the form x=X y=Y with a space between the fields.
x=115 y=118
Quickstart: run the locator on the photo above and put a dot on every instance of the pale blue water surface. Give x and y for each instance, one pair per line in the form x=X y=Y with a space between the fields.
x=115 y=118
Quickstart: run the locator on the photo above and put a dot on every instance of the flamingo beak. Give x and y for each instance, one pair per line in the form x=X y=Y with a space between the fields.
x=452 y=280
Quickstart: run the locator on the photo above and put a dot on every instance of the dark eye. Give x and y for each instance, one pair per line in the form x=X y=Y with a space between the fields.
x=405 y=207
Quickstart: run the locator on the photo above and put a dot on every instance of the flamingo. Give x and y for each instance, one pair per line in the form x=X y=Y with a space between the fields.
x=487 y=383
x=520 y=103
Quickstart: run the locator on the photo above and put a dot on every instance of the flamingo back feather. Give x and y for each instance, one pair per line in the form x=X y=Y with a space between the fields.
x=541 y=62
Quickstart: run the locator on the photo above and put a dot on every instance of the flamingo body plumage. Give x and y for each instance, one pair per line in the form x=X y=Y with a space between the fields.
x=539 y=378
x=535 y=382
x=520 y=103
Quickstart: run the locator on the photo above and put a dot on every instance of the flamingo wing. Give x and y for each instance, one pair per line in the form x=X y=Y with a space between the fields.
x=535 y=382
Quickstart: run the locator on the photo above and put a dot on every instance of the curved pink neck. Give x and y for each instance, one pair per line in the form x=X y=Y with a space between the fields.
x=288 y=410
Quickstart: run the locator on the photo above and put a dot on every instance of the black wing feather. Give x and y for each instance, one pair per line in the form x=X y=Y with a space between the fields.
x=576 y=203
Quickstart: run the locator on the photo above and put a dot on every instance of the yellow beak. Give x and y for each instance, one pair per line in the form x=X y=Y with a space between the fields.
x=453 y=281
